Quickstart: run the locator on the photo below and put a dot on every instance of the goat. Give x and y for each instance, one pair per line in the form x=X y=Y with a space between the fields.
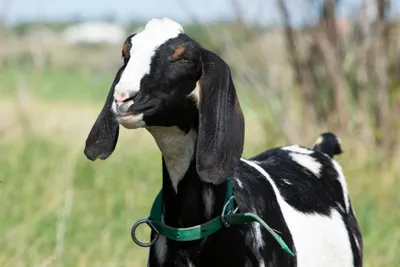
x=329 y=144
x=184 y=96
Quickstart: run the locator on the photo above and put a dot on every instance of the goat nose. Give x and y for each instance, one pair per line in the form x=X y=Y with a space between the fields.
x=123 y=96
x=120 y=97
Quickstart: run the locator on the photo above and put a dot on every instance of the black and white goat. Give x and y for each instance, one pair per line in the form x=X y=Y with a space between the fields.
x=184 y=96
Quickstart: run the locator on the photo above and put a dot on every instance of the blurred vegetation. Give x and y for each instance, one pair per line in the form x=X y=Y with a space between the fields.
x=59 y=209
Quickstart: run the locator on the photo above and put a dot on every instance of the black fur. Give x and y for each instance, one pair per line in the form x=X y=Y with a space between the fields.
x=307 y=192
x=103 y=136
x=329 y=145
x=218 y=121
x=219 y=144
x=231 y=246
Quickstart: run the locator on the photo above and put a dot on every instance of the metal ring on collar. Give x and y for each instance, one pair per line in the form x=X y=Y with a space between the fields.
x=133 y=233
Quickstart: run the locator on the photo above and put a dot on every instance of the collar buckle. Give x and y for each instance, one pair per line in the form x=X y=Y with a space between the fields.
x=229 y=204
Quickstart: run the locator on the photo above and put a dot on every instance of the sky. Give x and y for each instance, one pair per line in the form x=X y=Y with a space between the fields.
x=260 y=11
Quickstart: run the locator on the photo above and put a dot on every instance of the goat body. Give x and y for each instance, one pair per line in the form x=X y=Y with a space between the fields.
x=300 y=193
x=184 y=96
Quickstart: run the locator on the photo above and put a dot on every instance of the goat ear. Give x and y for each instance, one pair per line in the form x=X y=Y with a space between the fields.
x=103 y=136
x=221 y=123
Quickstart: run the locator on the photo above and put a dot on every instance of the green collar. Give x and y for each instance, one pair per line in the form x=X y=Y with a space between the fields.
x=228 y=217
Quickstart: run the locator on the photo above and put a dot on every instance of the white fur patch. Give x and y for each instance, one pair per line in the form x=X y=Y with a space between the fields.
x=319 y=140
x=239 y=183
x=190 y=263
x=297 y=149
x=286 y=181
x=114 y=107
x=144 y=46
x=208 y=200
x=132 y=122
x=254 y=240
x=259 y=242
x=307 y=162
x=319 y=240
x=195 y=94
x=161 y=249
x=177 y=149
x=342 y=181
x=356 y=241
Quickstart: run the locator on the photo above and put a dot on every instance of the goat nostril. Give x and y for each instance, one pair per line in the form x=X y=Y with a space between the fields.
x=124 y=97
x=120 y=97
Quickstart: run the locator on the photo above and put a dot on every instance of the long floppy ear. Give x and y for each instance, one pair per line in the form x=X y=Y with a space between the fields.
x=103 y=136
x=221 y=123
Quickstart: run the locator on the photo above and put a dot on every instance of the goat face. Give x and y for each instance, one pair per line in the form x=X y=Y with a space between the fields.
x=168 y=79
x=161 y=67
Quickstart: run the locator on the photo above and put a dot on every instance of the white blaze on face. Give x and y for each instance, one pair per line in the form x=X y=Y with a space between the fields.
x=144 y=45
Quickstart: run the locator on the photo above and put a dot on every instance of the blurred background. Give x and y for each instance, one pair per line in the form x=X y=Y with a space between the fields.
x=301 y=67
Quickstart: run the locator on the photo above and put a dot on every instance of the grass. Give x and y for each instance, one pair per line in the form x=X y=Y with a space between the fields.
x=37 y=175
x=52 y=84
x=59 y=209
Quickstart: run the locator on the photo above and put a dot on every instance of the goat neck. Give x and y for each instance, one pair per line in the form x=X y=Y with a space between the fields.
x=187 y=201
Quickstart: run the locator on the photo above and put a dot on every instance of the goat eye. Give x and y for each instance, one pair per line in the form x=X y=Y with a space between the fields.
x=185 y=60
x=180 y=60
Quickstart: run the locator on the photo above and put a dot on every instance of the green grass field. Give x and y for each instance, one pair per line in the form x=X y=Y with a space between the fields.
x=60 y=209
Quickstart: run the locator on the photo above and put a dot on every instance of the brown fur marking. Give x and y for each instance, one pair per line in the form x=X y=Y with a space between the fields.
x=125 y=50
x=178 y=52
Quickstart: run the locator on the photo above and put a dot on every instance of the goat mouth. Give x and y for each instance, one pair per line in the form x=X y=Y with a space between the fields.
x=130 y=120
x=125 y=117
x=138 y=108
x=133 y=111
